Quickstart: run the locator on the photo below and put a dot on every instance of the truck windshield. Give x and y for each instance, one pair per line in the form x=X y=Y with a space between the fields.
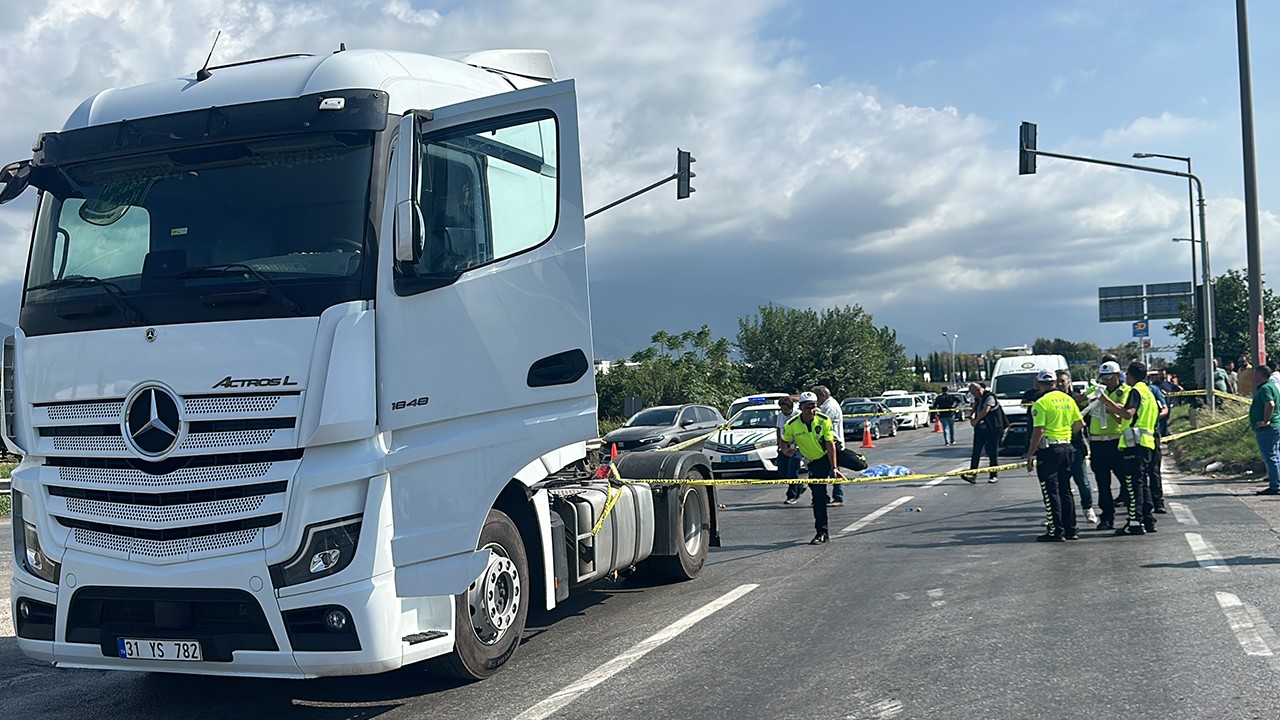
x=1013 y=385
x=254 y=229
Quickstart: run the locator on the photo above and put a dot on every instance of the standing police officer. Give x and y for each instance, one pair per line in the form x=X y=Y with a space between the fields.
x=1104 y=438
x=1137 y=447
x=1054 y=417
x=814 y=437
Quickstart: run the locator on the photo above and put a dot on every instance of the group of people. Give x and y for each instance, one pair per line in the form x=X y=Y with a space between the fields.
x=1123 y=436
x=1117 y=426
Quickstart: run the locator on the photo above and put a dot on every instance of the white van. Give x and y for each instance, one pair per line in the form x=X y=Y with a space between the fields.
x=1012 y=377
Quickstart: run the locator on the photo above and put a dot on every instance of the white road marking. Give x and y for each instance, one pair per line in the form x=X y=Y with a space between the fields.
x=874 y=515
x=901 y=596
x=1245 y=625
x=936 y=481
x=1183 y=514
x=1170 y=488
x=6 y=618
x=573 y=691
x=1206 y=554
x=936 y=595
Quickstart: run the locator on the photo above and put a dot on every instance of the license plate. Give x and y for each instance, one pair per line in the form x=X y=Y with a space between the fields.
x=734 y=458
x=142 y=649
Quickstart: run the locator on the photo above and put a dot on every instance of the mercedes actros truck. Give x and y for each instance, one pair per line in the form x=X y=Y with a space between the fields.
x=302 y=378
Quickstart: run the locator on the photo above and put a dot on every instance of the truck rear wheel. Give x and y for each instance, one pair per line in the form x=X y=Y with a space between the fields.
x=489 y=617
x=694 y=523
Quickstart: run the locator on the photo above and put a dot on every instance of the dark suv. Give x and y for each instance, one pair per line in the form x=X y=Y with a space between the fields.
x=663 y=426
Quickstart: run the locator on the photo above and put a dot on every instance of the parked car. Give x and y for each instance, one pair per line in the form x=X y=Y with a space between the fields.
x=883 y=422
x=757 y=399
x=664 y=425
x=911 y=410
x=748 y=443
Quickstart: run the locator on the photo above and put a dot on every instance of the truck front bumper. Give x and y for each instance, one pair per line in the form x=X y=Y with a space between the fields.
x=228 y=605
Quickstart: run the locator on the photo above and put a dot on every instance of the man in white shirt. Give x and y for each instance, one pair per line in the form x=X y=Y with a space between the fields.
x=828 y=406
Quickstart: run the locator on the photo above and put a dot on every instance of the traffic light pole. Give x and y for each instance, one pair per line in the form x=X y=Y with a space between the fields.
x=637 y=193
x=683 y=175
x=1026 y=163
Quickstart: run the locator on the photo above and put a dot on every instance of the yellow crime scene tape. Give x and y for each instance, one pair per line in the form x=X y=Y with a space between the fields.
x=1185 y=433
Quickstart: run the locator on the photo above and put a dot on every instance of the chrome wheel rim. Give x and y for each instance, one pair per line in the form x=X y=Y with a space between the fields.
x=494 y=599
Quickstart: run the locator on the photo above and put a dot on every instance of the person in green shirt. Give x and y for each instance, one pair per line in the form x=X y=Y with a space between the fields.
x=814 y=437
x=1054 y=417
x=1266 y=425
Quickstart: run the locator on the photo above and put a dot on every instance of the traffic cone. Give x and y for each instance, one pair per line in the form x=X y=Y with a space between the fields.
x=613 y=451
x=937 y=423
x=866 y=434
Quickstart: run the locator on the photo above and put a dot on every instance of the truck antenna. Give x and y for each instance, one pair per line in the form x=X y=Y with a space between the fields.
x=203 y=73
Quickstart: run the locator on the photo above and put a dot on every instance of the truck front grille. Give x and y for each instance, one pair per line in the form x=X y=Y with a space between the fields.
x=219 y=489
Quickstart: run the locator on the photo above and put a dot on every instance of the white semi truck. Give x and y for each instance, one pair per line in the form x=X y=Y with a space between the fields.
x=301 y=380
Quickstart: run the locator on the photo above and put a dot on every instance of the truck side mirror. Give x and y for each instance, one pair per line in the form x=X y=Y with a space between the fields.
x=408 y=219
x=16 y=176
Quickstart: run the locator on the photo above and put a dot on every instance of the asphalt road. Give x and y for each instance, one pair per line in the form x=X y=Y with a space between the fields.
x=949 y=611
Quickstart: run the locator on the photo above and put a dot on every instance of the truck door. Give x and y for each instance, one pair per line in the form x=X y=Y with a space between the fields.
x=483 y=325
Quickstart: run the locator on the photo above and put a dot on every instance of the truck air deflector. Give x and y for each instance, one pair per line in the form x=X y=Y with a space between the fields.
x=364 y=110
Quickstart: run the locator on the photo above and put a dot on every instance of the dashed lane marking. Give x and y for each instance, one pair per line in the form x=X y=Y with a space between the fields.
x=1183 y=514
x=935 y=596
x=1206 y=554
x=872 y=517
x=573 y=691
x=1252 y=631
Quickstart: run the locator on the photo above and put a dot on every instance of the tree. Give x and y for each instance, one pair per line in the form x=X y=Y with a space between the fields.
x=1231 y=325
x=1076 y=353
x=786 y=349
x=691 y=366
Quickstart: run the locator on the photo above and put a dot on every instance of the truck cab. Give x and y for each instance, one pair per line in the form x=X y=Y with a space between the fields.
x=301 y=378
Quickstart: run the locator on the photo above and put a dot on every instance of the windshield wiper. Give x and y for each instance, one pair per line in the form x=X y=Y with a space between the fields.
x=210 y=271
x=111 y=290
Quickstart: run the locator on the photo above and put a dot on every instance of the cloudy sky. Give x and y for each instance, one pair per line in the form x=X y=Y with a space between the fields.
x=851 y=152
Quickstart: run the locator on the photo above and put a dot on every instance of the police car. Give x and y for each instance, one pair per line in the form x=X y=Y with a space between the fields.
x=748 y=443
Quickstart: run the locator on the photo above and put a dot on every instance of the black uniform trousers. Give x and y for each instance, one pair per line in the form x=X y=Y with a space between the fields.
x=1104 y=460
x=820 y=468
x=1155 y=480
x=985 y=440
x=1053 y=467
x=1135 y=461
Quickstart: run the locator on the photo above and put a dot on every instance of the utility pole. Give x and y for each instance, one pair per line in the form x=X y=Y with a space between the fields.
x=1256 y=340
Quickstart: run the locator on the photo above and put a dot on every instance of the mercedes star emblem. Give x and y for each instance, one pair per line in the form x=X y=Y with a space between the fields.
x=151 y=335
x=152 y=421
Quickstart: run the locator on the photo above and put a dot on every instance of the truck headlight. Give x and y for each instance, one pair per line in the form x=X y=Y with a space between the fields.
x=26 y=545
x=327 y=548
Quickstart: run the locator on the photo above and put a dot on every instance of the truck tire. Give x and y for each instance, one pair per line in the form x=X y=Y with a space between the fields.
x=489 y=617
x=694 y=516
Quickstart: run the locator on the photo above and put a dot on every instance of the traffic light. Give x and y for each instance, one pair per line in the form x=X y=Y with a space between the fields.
x=684 y=174
x=1027 y=149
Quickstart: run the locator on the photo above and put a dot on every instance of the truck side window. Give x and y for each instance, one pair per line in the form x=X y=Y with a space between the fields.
x=486 y=193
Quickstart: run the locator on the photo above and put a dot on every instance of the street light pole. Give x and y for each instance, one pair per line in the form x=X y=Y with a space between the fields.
x=953 y=337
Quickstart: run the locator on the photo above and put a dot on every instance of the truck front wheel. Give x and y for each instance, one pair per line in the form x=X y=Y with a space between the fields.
x=693 y=518
x=489 y=617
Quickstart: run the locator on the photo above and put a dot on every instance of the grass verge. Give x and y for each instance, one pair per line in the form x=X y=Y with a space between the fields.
x=1232 y=445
